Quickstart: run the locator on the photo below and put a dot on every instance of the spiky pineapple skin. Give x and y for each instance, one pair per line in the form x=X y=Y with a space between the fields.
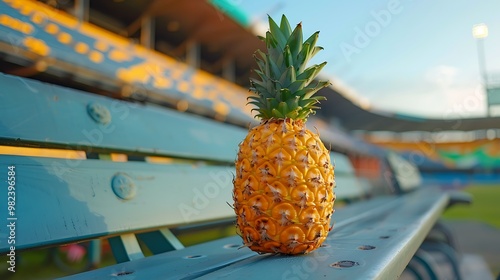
x=283 y=188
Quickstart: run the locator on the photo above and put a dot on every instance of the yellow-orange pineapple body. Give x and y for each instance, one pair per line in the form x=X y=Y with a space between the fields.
x=283 y=188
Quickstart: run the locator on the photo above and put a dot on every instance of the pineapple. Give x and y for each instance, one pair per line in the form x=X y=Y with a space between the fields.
x=283 y=187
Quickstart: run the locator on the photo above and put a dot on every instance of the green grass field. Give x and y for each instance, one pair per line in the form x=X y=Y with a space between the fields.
x=485 y=206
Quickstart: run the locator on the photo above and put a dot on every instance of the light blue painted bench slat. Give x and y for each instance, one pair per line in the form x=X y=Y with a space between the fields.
x=78 y=202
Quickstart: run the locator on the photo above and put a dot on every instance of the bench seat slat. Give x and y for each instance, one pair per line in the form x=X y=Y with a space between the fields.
x=53 y=116
x=76 y=201
x=394 y=226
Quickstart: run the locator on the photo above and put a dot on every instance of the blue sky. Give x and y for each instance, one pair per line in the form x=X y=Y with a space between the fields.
x=411 y=57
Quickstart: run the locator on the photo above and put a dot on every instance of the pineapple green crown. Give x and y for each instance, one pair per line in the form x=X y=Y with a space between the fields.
x=284 y=89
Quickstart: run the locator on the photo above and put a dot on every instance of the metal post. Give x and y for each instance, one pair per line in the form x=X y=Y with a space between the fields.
x=148 y=32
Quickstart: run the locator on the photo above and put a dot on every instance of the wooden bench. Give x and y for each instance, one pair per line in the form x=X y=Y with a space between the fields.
x=141 y=171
